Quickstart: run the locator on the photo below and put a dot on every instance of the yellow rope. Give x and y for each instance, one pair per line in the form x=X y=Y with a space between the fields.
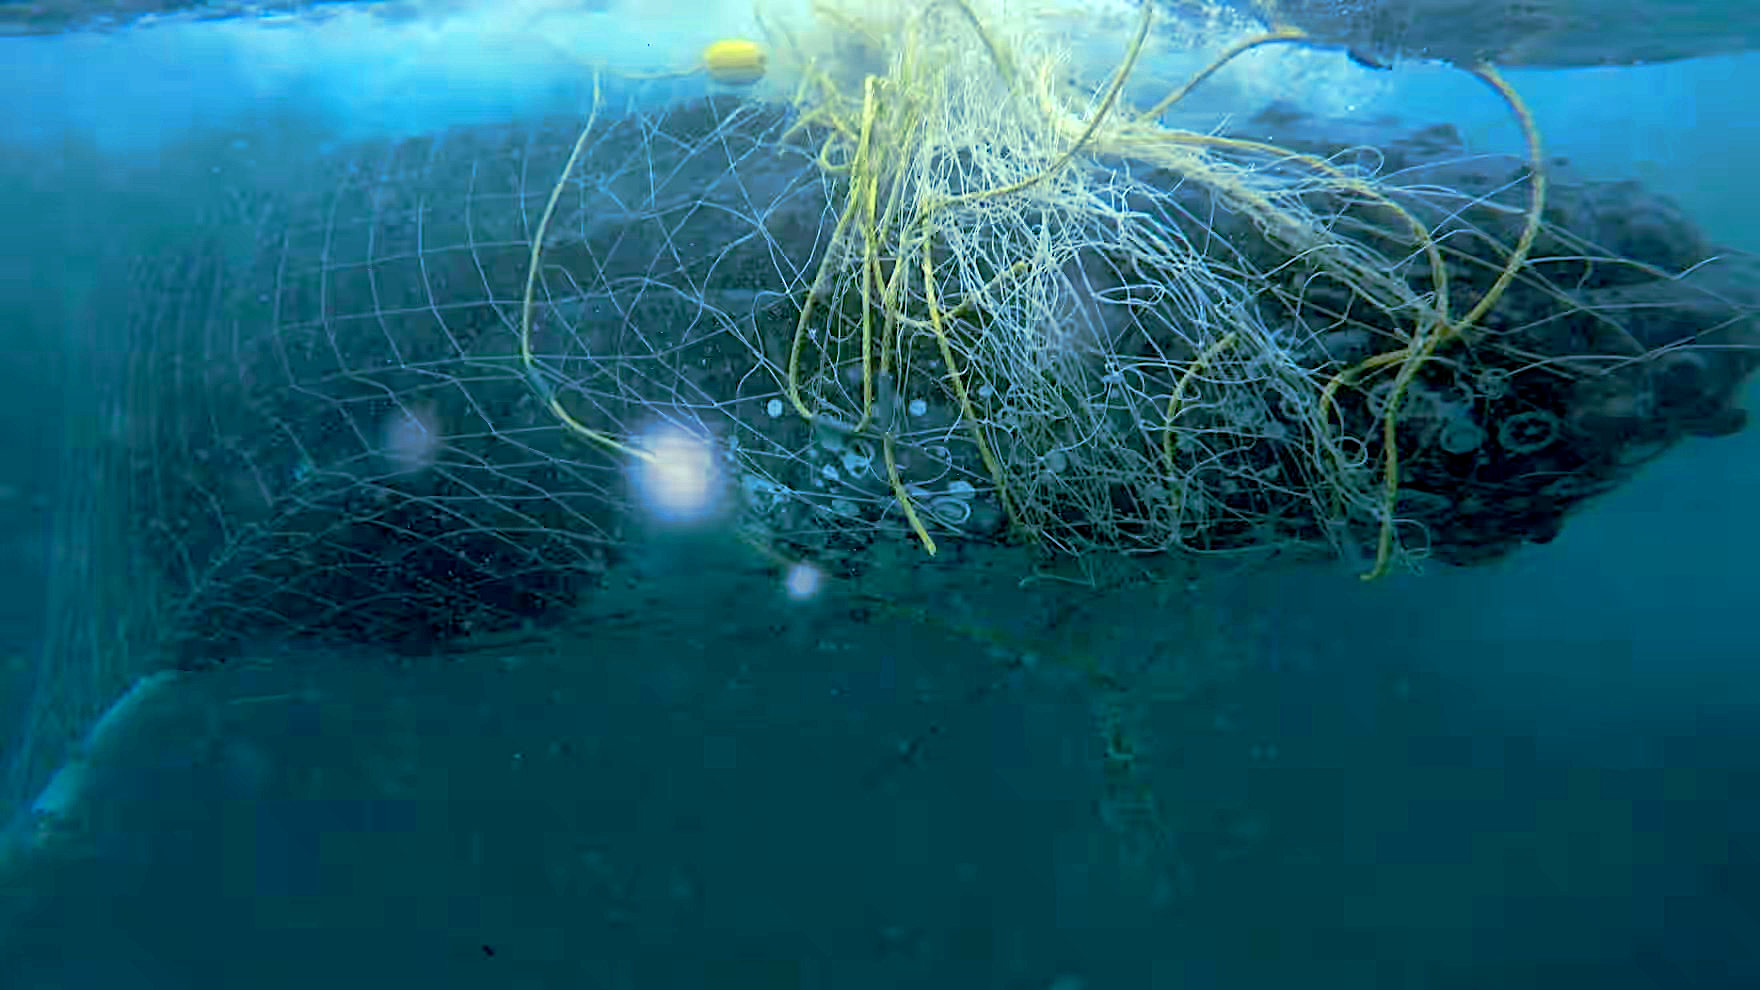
x=1420 y=351
x=534 y=374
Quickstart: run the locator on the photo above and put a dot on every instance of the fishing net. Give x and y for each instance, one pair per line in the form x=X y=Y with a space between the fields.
x=946 y=318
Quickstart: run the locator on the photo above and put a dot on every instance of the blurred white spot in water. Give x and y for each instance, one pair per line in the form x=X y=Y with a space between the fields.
x=803 y=581
x=411 y=438
x=677 y=482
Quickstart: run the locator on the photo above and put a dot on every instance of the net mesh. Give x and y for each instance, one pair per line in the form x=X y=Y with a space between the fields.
x=951 y=319
x=344 y=440
x=944 y=299
x=954 y=317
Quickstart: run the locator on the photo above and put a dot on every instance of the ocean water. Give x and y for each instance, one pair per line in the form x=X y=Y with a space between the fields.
x=1534 y=772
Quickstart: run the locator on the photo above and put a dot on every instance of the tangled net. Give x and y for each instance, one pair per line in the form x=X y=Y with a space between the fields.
x=944 y=296
x=1120 y=366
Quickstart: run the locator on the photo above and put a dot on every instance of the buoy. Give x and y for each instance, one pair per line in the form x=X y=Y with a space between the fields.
x=734 y=61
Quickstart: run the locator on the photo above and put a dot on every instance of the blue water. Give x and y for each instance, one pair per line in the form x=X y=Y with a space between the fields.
x=1536 y=773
